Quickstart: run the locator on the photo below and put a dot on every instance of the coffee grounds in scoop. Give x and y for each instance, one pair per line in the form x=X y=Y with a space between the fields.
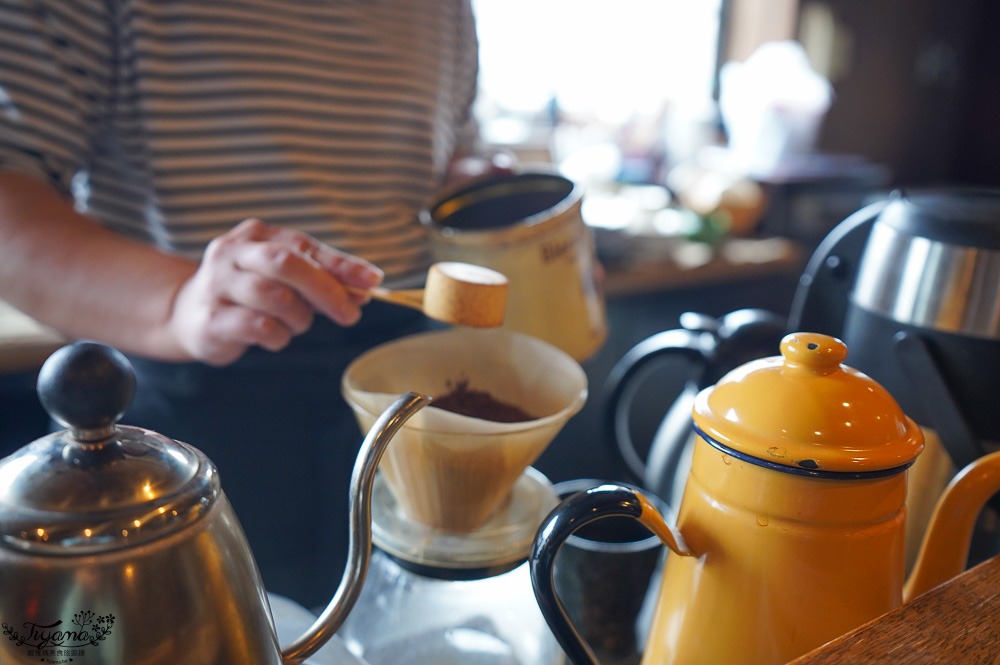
x=479 y=404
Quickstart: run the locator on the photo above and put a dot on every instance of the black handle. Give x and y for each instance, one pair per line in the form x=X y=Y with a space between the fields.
x=745 y=335
x=820 y=301
x=936 y=400
x=87 y=387
x=622 y=383
x=570 y=515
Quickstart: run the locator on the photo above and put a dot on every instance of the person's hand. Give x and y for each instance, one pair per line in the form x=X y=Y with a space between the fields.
x=261 y=285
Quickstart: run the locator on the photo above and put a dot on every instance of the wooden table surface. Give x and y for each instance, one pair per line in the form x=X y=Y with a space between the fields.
x=24 y=343
x=957 y=623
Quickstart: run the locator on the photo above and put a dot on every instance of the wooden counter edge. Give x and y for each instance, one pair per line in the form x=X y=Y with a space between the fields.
x=957 y=622
x=24 y=343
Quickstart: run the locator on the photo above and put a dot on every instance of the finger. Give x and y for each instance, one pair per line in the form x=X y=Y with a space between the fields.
x=322 y=294
x=217 y=259
x=349 y=269
x=237 y=325
x=251 y=229
x=316 y=286
x=253 y=291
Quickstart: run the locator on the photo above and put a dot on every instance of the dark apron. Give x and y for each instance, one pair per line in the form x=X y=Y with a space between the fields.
x=283 y=438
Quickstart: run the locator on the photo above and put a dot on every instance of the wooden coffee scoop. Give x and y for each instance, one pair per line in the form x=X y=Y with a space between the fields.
x=457 y=293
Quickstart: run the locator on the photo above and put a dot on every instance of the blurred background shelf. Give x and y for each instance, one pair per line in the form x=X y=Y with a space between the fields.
x=693 y=265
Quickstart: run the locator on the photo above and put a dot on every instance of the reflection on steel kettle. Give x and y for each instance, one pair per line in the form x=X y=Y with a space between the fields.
x=118 y=544
x=790 y=531
x=912 y=286
x=712 y=347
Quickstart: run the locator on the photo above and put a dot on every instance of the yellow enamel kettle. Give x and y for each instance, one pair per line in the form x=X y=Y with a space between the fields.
x=790 y=531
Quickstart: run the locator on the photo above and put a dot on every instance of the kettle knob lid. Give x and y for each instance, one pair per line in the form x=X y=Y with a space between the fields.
x=808 y=413
x=98 y=485
x=87 y=387
x=813 y=352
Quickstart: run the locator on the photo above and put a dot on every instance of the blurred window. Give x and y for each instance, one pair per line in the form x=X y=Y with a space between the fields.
x=603 y=89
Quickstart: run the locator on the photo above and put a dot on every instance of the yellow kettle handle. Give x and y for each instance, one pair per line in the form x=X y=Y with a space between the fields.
x=945 y=548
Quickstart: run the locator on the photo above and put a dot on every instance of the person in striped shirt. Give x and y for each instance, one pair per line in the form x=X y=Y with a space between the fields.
x=196 y=183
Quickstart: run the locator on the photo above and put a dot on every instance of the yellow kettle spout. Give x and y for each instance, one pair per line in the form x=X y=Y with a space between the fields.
x=945 y=549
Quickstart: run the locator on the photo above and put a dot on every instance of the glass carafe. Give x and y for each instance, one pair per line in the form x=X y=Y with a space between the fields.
x=454 y=598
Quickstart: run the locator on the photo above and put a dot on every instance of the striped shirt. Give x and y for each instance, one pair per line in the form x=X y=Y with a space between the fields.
x=171 y=121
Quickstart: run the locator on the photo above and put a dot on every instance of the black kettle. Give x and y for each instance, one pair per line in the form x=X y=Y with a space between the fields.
x=912 y=285
x=712 y=347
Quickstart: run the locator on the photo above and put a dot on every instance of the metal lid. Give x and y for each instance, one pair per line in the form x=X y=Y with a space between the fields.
x=809 y=413
x=98 y=486
x=964 y=216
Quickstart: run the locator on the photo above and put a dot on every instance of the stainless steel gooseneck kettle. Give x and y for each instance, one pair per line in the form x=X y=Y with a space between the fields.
x=118 y=546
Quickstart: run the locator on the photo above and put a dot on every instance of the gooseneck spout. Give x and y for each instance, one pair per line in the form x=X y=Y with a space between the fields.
x=945 y=549
x=360 y=538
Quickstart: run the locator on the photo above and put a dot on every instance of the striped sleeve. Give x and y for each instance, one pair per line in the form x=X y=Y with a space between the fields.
x=173 y=120
x=54 y=85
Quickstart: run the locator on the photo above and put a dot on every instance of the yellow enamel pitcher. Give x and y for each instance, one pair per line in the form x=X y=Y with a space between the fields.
x=790 y=531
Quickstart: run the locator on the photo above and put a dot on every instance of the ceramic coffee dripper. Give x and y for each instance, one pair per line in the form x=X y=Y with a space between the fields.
x=791 y=528
x=118 y=545
x=452 y=471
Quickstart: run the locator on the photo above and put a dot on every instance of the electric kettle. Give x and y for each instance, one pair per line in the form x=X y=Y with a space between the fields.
x=118 y=545
x=791 y=528
x=912 y=286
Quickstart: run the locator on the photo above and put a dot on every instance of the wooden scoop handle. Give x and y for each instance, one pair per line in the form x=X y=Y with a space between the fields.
x=408 y=297
x=455 y=293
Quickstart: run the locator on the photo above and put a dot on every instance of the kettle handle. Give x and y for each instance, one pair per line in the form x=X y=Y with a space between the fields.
x=947 y=542
x=919 y=367
x=622 y=383
x=820 y=300
x=360 y=534
x=570 y=515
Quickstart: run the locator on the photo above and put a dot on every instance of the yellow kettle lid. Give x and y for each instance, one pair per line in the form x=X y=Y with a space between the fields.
x=808 y=411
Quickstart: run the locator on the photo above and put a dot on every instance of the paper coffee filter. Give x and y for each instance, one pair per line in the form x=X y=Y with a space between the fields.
x=449 y=470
